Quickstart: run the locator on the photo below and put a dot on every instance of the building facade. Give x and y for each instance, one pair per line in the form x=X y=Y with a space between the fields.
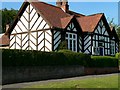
x=42 y=27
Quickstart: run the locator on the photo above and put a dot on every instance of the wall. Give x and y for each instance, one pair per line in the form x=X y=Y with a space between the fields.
x=31 y=32
x=26 y=74
x=91 y=71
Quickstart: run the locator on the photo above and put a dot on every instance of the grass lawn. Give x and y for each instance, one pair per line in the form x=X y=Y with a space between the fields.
x=93 y=82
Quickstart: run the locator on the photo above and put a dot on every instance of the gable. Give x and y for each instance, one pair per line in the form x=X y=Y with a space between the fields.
x=31 y=31
x=73 y=26
x=30 y=20
x=101 y=29
x=114 y=34
x=88 y=23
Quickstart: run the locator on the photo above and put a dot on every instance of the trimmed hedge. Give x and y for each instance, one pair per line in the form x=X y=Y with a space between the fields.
x=37 y=58
x=103 y=61
x=118 y=57
x=60 y=58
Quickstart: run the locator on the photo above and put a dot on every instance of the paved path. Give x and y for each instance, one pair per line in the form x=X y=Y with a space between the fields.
x=22 y=85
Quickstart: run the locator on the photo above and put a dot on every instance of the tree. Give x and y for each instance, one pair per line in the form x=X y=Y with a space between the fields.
x=117 y=28
x=8 y=17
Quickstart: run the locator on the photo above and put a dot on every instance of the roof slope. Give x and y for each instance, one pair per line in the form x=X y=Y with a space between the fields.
x=88 y=23
x=51 y=13
x=4 y=40
x=114 y=34
x=76 y=14
x=57 y=18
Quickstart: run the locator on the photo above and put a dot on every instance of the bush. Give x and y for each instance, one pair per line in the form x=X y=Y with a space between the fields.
x=60 y=58
x=37 y=58
x=103 y=61
x=63 y=45
x=117 y=56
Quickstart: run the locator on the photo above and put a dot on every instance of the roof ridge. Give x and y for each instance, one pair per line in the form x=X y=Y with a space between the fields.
x=95 y=14
x=49 y=4
x=77 y=13
x=54 y=6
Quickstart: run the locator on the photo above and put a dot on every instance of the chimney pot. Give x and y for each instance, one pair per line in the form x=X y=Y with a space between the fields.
x=63 y=4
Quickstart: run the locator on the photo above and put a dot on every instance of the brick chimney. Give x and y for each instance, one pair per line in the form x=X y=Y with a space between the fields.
x=63 y=4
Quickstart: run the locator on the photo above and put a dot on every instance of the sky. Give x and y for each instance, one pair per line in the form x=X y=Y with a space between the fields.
x=110 y=9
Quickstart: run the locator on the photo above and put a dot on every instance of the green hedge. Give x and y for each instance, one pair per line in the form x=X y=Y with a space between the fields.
x=36 y=58
x=62 y=57
x=118 y=57
x=103 y=61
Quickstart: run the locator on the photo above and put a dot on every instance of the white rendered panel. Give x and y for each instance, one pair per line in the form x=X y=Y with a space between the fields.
x=34 y=20
x=23 y=20
x=36 y=24
x=25 y=14
x=14 y=31
x=22 y=26
x=31 y=7
x=42 y=25
x=18 y=29
x=18 y=39
x=48 y=41
x=41 y=37
x=12 y=40
x=25 y=41
x=57 y=37
x=87 y=43
x=32 y=13
x=41 y=46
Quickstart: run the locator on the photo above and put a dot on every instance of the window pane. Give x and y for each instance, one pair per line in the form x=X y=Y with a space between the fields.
x=70 y=35
x=74 y=45
x=74 y=36
x=66 y=35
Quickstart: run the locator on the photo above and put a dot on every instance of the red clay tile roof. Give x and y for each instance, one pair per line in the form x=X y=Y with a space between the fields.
x=51 y=13
x=4 y=40
x=65 y=21
x=57 y=18
x=88 y=23
x=76 y=14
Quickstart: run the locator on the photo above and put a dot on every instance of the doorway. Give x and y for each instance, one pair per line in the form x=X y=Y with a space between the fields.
x=101 y=51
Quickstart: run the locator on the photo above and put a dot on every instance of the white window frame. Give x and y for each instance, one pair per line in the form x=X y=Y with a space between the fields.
x=113 y=47
x=72 y=39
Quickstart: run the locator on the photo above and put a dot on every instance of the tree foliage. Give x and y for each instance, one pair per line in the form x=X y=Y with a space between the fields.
x=7 y=17
x=117 y=28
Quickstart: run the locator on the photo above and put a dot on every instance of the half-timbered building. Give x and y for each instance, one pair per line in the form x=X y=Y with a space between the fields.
x=41 y=26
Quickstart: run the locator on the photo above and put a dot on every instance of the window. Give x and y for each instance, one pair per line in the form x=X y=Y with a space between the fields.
x=112 y=47
x=100 y=44
x=96 y=50
x=72 y=41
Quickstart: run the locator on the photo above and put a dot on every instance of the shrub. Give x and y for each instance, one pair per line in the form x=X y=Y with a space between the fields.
x=60 y=58
x=38 y=58
x=117 y=56
x=63 y=45
x=103 y=61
